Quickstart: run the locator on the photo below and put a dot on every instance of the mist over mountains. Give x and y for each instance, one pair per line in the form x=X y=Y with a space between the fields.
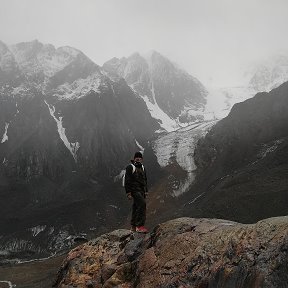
x=68 y=127
x=259 y=76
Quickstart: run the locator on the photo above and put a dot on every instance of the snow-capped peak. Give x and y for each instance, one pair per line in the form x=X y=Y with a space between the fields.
x=166 y=89
x=34 y=57
x=79 y=87
x=269 y=73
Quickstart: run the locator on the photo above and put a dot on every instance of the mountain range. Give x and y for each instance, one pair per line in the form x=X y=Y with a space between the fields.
x=68 y=128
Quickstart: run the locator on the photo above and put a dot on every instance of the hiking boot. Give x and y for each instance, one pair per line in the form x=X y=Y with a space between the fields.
x=133 y=228
x=141 y=229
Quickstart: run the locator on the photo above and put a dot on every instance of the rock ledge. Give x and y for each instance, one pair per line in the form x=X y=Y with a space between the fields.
x=184 y=252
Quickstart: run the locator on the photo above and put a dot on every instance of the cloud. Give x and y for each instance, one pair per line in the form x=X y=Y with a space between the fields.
x=208 y=38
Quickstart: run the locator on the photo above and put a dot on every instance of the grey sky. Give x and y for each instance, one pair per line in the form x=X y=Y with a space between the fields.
x=208 y=38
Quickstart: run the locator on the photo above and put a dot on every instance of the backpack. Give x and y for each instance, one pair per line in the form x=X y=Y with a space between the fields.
x=133 y=170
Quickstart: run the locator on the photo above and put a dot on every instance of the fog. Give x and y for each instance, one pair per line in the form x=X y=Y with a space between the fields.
x=213 y=40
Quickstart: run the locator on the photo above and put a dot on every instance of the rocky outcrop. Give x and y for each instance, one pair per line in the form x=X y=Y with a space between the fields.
x=184 y=252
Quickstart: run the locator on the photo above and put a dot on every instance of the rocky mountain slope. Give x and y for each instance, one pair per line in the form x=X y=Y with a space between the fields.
x=66 y=131
x=184 y=252
x=172 y=96
x=243 y=162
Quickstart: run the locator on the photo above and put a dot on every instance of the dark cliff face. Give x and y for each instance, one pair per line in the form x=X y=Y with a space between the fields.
x=155 y=77
x=79 y=68
x=243 y=161
x=65 y=133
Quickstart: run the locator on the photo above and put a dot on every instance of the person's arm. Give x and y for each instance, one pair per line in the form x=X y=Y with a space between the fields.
x=129 y=180
x=146 y=185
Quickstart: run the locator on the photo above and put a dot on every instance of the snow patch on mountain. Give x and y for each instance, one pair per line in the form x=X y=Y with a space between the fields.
x=139 y=146
x=72 y=147
x=156 y=112
x=166 y=122
x=37 y=229
x=269 y=148
x=79 y=87
x=221 y=100
x=9 y=283
x=51 y=230
x=184 y=186
x=178 y=146
x=17 y=110
x=20 y=90
x=16 y=245
x=196 y=198
x=120 y=176
x=5 y=136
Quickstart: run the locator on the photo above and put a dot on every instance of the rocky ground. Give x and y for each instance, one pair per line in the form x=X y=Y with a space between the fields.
x=184 y=252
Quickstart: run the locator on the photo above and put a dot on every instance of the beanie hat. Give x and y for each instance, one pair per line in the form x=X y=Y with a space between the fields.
x=138 y=155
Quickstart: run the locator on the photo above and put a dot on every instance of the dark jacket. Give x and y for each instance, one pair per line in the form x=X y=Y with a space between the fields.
x=137 y=181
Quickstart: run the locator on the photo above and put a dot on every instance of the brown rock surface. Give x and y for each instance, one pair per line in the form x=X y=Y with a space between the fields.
x=184 y=252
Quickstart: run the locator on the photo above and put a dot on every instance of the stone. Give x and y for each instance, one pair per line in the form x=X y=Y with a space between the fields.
x=107 y=271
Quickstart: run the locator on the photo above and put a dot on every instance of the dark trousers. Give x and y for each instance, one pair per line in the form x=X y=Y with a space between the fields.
x=138 y=209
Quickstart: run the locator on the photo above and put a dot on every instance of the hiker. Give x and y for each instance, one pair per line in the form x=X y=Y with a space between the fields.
x=136 y=188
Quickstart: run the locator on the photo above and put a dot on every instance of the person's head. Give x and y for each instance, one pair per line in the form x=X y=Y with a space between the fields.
x=138 y=157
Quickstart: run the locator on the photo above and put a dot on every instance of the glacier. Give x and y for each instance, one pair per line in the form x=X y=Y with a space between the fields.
x=178 y=146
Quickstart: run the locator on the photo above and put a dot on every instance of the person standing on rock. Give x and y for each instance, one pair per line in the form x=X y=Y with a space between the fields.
x=135 y=184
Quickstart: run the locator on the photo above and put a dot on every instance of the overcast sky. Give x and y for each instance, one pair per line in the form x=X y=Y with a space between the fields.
x=211 y=39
